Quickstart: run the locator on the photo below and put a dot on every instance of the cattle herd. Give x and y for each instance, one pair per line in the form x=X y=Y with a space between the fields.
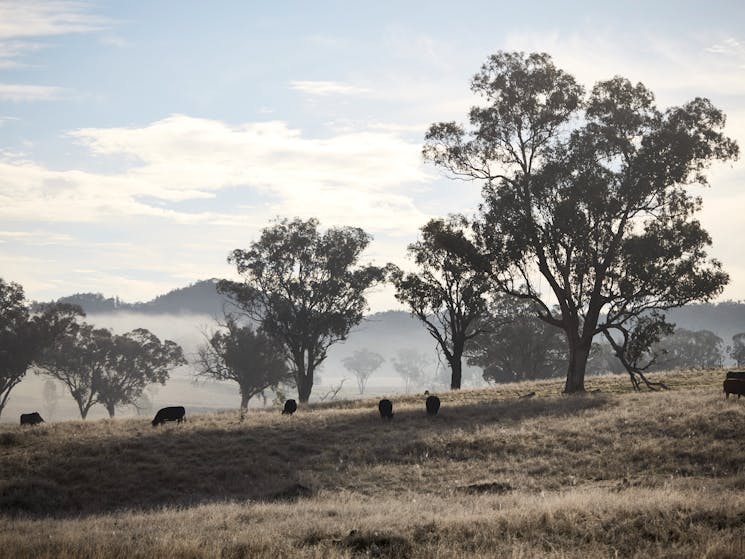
x=734 y=383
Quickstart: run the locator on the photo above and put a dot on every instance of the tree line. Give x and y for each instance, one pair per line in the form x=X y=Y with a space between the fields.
x=587 y=229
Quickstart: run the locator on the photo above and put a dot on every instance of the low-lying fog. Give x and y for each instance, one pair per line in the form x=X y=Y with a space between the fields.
x=54 y=402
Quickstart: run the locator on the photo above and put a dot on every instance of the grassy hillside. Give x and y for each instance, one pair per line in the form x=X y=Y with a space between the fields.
x=608 y=474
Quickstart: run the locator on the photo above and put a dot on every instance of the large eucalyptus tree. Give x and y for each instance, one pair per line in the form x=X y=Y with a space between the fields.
x=587 y=195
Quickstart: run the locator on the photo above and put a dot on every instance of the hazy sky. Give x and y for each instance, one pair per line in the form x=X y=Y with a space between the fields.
x=141 y=141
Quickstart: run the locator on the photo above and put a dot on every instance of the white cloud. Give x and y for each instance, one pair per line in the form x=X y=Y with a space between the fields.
x=327 y=88
x=358 y=177
x=35 y=18
x=21 y=20
x=675 y=69
x=23 y=92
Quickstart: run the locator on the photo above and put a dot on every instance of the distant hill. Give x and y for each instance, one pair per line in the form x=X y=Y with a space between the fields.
x=396 y=327
x=198 y=298
x=724 y=319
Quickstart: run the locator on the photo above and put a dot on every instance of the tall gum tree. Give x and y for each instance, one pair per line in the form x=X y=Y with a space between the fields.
x=304 y=288
x=587 y=194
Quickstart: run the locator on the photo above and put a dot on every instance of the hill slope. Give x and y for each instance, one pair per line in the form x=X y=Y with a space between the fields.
x=492 y=475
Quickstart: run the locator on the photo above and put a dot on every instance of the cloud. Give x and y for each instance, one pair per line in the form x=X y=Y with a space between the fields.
x=675 y=69
x=358 y=176
x=23 y=20
x=23 y=92
x=327 y=88
x=35 y=18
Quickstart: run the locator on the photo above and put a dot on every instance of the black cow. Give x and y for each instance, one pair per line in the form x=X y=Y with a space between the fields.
x=736 y=374
x=433 y=405
x=31 y=418
x=385 y=407
x=290 y=407
x=734 y=386
x=173 y=413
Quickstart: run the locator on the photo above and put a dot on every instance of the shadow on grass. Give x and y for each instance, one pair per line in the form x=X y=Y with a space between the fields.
x=275 y=458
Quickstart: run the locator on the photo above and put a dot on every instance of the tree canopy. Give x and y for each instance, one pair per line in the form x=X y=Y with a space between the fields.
x=244 y=355
x=98 y=366
x=589 y=193
x=515 y=344
x=304 y=288
x=363 y=363
x=135 y=359
x=23 y=335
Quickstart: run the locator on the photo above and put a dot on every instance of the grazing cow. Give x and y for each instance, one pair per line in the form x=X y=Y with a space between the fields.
x=736 y=374
x=290 y=407
x=385 y=407
x=173 y=413
x=734 y=386
x=433 y=405
x=31 y=418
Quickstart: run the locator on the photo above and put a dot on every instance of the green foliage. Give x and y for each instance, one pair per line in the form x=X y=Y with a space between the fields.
x=685 y=349
x=98 y=366
x=135 y=359
x=363 y=363
x=447 y=293
x=516 y=345
x=23 y=335
x=304 y=288
x=243 y=355
x=589 y=193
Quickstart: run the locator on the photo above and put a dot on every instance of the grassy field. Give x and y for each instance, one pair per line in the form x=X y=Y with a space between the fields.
x=608 y=474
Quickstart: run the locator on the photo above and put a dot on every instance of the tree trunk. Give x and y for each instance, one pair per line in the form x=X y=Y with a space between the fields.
x=456 y=365
x=83 y=411
x=304 y=386
x=244 y=402
x=579 y=352
x=110 y=409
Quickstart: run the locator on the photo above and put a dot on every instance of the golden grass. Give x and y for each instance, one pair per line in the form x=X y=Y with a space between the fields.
x=607 y=474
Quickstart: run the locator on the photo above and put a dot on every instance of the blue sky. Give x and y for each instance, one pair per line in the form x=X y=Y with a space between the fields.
x=141 y=141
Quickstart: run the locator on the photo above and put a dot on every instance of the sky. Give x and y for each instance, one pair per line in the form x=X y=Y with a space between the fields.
x=142 y=141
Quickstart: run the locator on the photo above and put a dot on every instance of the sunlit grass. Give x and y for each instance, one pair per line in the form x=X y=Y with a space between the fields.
x=611 y=473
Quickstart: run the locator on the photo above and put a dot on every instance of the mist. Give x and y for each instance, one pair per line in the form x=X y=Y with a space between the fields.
x=384 y=333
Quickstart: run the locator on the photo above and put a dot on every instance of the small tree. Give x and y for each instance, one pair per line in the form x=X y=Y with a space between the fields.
x=51 y=398
x=243 y=355
x=100 y=367
x=78 y=359
x=135 y=359
x=304 y=289
x=363 y=363
x=737 y=350
x=410 y=364
x=23 y=336
x=447 y=292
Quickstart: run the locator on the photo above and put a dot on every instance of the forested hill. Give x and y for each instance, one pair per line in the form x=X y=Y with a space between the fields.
x=724 y=319
x=198 y=298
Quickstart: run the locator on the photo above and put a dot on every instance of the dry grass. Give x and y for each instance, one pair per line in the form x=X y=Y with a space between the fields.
x=608 y=474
